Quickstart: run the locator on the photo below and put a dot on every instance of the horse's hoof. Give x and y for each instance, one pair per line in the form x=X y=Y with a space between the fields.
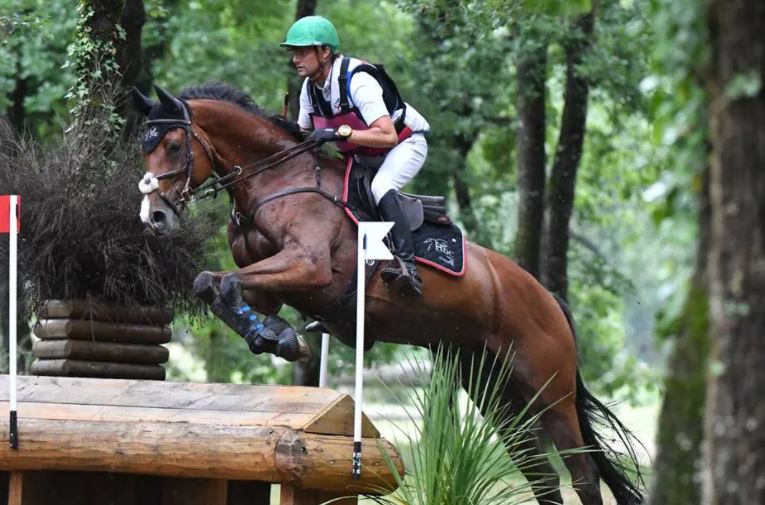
x=204 y=287
x=293 y=346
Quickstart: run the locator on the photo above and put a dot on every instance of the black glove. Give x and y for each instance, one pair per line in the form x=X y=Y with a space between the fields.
x=323 y=135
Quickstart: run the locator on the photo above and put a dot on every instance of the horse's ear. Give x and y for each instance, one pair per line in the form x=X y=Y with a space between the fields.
x=169 y=102
x=142 y=102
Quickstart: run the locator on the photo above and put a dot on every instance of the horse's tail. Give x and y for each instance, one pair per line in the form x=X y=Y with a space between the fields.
x=614 y=467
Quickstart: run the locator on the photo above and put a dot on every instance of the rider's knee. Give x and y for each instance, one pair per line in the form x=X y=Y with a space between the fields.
x=380 y=186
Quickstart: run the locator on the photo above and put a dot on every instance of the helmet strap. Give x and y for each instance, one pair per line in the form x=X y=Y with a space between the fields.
x=322 y=64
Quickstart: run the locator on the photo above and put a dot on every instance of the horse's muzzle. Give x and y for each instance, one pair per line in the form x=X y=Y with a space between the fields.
x=159 y=220
x=158 y=217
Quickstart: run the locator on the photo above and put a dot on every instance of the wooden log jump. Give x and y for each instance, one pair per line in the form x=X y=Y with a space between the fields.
x=88 y=338
x=207 y=443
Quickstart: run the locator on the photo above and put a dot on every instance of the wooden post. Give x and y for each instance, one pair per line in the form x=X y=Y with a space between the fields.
x=248 y=492
x=178 y=491
x=293 y=495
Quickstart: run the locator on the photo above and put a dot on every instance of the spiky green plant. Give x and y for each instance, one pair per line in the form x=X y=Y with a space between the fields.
x=465 y=451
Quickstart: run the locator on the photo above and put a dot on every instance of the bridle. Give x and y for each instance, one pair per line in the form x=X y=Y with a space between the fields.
x=150 y=182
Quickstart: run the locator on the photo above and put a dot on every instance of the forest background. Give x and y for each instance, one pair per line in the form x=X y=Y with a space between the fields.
x=632 y=228
x=570 y=136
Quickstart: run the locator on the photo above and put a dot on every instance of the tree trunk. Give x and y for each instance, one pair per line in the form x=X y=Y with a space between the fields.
x=130 y=61
x=680 y=435
x=17 y=112
x=735 y=416
x=155 y=51
x=532 y=69
x=462 y=145
x=303 y=373
x=106 y=15
x=129 y=57
x=295 y=83
x=97 y=44
x=560 y=196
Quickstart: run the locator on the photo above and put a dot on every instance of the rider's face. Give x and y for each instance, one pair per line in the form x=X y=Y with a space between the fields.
x=308 y=60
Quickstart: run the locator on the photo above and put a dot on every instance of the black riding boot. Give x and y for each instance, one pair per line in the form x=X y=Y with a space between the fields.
x=401 y=275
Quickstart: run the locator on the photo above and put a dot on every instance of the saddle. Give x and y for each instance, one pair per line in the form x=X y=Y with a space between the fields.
x=418 y=209
x=438 y=242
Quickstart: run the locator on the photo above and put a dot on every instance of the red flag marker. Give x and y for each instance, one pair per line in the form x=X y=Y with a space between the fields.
x=5 y=213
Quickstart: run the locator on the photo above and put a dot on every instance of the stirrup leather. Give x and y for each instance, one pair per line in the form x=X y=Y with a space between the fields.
x=402 y=276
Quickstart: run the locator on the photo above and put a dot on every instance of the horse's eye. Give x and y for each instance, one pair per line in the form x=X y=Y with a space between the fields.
x=173 y=147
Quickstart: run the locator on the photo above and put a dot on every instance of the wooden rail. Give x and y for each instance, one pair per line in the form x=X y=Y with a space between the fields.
x=228 y=437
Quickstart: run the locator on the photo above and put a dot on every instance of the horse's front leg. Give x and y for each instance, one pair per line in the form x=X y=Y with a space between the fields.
x=239 y=310
x=293 y=268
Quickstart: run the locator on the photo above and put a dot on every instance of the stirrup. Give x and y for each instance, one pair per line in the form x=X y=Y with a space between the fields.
x=402 y=277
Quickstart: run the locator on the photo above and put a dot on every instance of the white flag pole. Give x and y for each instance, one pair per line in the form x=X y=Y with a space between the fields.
x=360 y=302
x=369 y=246
x=323 y=362
x=14 y=440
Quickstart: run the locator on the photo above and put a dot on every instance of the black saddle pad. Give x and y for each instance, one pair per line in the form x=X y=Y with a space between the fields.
x=439 y=245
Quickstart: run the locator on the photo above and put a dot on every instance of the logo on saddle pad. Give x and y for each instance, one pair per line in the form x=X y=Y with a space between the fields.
x=441 y=247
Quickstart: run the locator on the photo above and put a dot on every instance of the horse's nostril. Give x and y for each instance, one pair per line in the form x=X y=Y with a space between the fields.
x=158 y=217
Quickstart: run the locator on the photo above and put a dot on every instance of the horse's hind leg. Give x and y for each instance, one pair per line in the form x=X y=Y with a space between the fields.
x=561 y=424
x=544 y=480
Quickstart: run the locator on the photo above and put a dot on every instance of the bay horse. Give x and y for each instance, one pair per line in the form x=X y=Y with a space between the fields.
x=297 y=247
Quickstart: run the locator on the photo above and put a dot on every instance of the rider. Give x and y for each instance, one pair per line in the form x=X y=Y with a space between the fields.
x=355 y=104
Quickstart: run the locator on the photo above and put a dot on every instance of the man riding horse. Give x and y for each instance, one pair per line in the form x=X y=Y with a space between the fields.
x=355 y=104
x=294 y=243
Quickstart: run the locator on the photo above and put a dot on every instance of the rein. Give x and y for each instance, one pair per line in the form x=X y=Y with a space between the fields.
x=211 y=188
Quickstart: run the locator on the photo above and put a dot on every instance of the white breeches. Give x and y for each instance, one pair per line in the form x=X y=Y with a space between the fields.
x=400 y=165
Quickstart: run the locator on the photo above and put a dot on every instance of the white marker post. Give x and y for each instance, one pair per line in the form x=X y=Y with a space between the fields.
x=370 y=247
x=323 y=362
x=11 y=226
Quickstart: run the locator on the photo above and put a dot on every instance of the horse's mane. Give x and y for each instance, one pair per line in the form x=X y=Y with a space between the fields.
x=227 y=93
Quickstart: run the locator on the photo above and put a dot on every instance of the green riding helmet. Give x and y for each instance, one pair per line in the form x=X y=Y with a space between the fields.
x=312 y=31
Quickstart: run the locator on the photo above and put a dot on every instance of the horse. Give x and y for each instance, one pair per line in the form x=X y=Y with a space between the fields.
x=294 y=245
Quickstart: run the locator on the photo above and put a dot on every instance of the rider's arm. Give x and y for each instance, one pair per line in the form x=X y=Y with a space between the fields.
x=304 y=115
x=367 y=95
x=381 y=133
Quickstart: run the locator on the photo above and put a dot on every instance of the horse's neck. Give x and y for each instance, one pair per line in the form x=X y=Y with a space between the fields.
x=241 y=138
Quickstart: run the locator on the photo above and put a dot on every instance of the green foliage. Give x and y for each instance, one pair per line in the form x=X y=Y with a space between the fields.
x=464 y=452
x=34 y=35
x=679 y=116
x=455 y=62
x=212 y=41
